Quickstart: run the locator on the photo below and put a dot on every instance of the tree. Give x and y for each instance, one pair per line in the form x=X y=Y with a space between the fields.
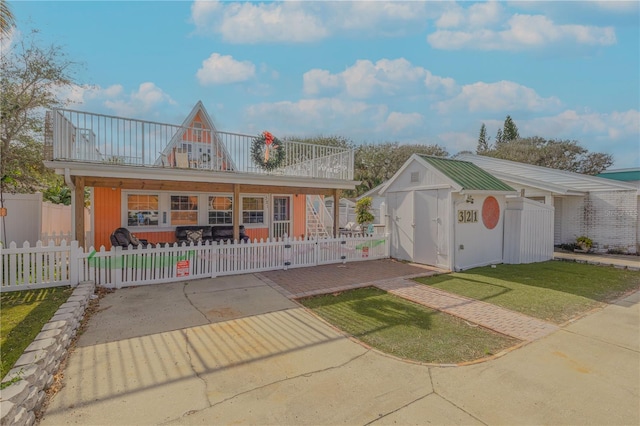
x=483 y=143
x=363 y=211
x=499 y=138
x=510 y=130
x=555 y=154
x=31 y=77
x=7 y=20
x=377 y=163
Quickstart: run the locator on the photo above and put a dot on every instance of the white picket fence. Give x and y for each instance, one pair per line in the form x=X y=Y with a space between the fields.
x=54 y=265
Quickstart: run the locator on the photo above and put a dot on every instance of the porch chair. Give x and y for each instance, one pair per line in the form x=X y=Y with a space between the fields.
x=121 y=237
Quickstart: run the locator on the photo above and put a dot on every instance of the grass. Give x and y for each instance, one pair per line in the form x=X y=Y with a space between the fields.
x=23 y=315
x=405 y=329
x=553 y=291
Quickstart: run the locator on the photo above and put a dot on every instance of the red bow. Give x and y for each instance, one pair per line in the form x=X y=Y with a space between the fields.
x=268 y=138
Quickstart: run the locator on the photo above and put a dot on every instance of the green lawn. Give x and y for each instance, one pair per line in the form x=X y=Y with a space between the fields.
x=23 y=313
x=553 y=291
x=405 y=329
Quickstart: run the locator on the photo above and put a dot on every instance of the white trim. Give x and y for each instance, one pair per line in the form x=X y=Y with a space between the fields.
x=168 y=174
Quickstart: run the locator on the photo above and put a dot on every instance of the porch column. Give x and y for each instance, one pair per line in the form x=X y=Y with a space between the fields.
x=336 y=212
x=78 y=195
x=236 y=211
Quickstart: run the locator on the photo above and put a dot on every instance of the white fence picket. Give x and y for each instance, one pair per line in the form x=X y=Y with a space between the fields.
x=57 y=265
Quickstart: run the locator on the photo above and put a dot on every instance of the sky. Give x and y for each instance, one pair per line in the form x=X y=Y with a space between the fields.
x=371 y=71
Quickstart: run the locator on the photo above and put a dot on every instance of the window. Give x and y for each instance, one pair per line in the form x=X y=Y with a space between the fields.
x=281 y=208
x=184 y=210
x=197 y=131
x=142 y=210
x=253 y=210
x=220 y=210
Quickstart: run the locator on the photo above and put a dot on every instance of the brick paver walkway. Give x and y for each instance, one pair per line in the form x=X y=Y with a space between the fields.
x=303 y=282
x=499 y=319
x=394 y=277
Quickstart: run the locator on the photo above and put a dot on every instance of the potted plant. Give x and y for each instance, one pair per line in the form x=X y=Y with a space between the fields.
x=584 y=243
x=363 y=212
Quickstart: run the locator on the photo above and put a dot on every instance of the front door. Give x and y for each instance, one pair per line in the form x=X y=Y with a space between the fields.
x=426 y=238
x=402 y=224
x=281 y=224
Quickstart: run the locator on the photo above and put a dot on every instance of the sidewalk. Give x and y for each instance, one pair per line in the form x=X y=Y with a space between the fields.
x=618 y=261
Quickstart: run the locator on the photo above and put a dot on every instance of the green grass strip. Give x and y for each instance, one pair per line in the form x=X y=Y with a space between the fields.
x=552 y=291
x=23 y=315
x=405 y=329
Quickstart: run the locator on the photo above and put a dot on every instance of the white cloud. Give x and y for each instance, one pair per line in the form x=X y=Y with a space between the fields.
x=306 y=21
x=223 y=69
x=476 y=16
x=258 y=22
x=145 y=99
x=458 y=141
x=500 y=96
x=615 y=125
x=315 y=116
x=398 y=122
x=522 y=32
x=387 y=76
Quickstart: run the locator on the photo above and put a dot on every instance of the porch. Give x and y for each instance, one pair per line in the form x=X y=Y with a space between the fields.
x=96 y=138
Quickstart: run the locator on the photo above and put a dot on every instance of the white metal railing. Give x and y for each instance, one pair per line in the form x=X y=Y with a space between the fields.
x=81 y=136
x=67 y=264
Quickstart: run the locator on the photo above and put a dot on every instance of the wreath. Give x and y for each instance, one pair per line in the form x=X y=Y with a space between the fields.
x=267 y=151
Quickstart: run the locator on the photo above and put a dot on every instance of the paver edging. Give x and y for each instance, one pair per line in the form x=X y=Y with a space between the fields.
x=33 y=372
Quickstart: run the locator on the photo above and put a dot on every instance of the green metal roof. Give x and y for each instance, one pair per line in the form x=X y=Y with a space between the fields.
x=622 y=175
x=467 y=175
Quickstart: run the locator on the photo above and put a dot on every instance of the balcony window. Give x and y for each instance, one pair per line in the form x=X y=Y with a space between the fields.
x=253 y=210
x=184 y=209
x=142 y=210
x=221 y=210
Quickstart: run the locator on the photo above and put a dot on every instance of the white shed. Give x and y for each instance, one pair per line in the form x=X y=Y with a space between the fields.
x=446 y=213
x=602 y=209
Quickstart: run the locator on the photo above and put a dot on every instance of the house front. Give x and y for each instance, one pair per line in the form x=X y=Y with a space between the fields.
x=152 y=177
x=605 y=210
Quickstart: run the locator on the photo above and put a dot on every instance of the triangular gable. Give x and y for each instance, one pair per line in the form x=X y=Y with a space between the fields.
x=460 y=176
x=199 y=131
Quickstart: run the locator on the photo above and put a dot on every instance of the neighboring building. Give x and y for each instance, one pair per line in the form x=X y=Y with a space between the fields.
x=631 y=175
x=151 y=177
x=604 y=210
x=452 y=214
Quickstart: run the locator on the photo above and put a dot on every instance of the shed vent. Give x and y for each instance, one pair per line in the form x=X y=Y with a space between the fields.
x=415 y=177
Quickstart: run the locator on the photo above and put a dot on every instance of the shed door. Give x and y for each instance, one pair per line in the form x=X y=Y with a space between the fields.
x=401 y=215
x=426 y=229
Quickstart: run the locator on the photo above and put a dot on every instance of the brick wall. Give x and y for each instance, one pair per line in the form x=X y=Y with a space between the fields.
x=611 y=220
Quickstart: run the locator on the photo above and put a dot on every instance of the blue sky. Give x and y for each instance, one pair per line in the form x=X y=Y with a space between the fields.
x=411 y=72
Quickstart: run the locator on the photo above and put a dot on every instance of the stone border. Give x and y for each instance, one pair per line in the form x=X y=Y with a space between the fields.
x=41 y=360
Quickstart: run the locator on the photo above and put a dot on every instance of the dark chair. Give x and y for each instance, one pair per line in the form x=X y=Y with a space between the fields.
x=121 y=237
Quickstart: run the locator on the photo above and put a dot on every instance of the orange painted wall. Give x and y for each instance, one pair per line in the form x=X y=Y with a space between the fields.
x=106 y=212
x=299 y=215
x=257 y=233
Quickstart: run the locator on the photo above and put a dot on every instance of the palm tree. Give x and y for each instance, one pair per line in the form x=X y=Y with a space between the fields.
x=7 y=20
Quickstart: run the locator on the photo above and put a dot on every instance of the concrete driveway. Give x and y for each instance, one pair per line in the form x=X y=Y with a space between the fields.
x=233 y=350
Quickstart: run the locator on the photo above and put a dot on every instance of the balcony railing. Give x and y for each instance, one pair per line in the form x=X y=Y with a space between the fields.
x=81 y=136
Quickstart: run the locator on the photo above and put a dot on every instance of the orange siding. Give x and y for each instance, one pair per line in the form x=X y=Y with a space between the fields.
x=106 y=212
x=257 y=233
x=158 y=237
x=299 y=215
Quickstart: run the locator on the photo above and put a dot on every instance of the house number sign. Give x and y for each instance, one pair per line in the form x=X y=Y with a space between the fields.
x=467 y=216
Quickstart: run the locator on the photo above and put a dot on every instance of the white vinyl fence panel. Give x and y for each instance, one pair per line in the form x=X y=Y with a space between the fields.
x=57 y=265
x=528 y=231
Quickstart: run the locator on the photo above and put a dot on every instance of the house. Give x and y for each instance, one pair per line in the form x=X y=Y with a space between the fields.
x=152 y=177
x=454 y=215
x=604 y=210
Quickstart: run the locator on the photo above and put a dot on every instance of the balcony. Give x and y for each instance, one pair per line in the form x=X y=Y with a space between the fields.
x=95 y=138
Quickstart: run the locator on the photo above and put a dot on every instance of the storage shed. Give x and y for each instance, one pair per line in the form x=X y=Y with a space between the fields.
x=604 y=210
x=446 y=213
